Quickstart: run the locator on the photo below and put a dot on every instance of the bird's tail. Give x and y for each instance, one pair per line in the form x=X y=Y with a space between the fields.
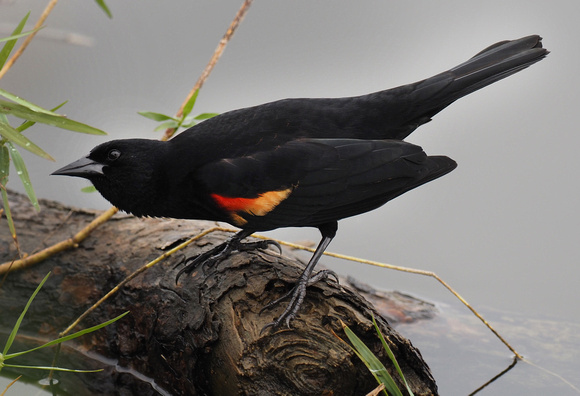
x=497 y=61
x=415 y=104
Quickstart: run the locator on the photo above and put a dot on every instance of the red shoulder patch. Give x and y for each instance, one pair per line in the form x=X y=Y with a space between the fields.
x=260 y=206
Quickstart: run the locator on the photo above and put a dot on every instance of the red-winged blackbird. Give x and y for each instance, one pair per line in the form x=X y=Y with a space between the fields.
x=293 y=162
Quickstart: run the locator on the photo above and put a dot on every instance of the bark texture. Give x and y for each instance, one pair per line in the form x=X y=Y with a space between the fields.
x=202 y=335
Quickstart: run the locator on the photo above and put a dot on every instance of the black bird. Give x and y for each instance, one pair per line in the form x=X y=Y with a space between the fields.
x=293 y=162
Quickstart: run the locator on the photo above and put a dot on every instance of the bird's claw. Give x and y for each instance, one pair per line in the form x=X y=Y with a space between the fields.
x=262 y=245
x=223 y=251
x=210 y=257
x=297 y=294
x=323 y=275
x=276 y=324
x=275 y=302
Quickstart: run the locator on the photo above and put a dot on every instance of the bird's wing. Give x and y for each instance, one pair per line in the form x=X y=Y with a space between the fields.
x=312 y=181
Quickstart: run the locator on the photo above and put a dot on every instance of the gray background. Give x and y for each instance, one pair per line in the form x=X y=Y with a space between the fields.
x=502 y=228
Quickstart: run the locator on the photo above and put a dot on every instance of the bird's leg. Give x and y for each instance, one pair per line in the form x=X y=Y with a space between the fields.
x=224 y=250
x=299 y=291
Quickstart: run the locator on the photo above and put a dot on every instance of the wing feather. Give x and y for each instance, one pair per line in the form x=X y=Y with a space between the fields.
x=318 y=180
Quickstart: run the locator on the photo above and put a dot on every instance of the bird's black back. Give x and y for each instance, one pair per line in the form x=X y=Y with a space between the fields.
x=388 y=114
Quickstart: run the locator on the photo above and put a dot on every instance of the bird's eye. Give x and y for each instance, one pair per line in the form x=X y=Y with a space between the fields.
x=113 y=154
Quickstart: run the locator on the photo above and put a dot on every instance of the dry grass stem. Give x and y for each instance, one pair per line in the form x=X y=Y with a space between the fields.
x=28 y=39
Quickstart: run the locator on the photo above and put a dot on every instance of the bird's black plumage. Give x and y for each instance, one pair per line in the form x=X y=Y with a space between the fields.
x=294 y=162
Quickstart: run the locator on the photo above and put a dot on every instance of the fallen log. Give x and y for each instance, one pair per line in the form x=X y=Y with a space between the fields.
x=199 y=336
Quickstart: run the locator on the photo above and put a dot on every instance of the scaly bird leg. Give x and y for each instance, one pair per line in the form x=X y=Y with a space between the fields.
x=299 y=291
x=320 y=275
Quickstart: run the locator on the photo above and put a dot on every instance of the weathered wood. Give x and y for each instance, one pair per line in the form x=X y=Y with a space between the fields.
x=201 y=336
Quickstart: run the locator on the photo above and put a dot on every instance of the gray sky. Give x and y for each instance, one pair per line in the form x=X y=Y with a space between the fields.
x=502 y=228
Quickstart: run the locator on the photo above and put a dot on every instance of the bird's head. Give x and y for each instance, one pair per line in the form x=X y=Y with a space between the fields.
x=126 y=172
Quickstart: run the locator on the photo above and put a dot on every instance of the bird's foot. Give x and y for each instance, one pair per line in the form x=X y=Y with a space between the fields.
x=296 y=295
x=258 y=245
x=223 y=251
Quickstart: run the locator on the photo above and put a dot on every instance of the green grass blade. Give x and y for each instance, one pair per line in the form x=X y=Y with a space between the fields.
x=19 y=321
x=7 y=212
x=17 y=36
x=66 y=338
x=89 y=189
x=52 y=368
x=12 y=135
x=23 y=173
x=27 y=124
x=4 y=165
x=205 y=116
x=374 y=365
x=392 y=357
x=104 y=7
x=24 y=102
x=156 y=116
x=24 y=126
x=58 y=121
x=189 y=124
x=373 y=374
x=11 y=41
x=4 y=173
x=167 y=125
x=189 y=105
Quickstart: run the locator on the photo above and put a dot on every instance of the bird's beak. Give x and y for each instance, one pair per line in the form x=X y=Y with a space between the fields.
x=84 y=167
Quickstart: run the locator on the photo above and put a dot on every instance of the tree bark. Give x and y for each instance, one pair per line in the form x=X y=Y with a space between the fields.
x=200 y=336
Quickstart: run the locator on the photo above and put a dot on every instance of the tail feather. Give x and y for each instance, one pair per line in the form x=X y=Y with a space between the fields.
x=497 y=62
x=412 y=105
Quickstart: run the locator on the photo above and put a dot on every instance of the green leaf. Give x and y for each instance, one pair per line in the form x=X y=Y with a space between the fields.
x=392 y=357
x=12 y=135
x=7 y=212
x=157 y=116
x=4 y=165
x=23 y=173
x=104 y=7
x=27 y=124
x=4 y=119
x=58 y=121
x=19 y=321
x=88 y=189
x=24 y=102
x=52 y=368
x=191 y=121
x=189 y=105
x=205 y=116
x=17 y=36
x=189 y=124
x=374 y=365
x=4 y=173
x=166 y=125
x=66 y=338
x=11 y=41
